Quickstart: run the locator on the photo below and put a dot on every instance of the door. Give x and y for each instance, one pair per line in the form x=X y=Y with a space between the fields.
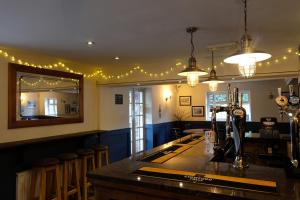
x=136 y=120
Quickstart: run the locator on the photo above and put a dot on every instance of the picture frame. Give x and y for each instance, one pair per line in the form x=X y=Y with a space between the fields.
x=118 y=99
x=185 y=100
x=198 y=111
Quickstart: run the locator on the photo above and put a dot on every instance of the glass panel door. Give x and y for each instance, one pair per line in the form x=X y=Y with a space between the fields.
x=136 y=120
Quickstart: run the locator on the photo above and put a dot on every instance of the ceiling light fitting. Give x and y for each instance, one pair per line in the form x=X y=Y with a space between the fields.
x=192 y=72
x=213 y=80
x=247 y=56
x=90 y=43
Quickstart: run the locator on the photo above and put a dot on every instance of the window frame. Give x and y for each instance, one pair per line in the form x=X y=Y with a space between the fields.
x=207 y=110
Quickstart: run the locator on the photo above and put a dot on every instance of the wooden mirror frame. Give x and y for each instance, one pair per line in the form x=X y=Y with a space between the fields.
x=12 y=97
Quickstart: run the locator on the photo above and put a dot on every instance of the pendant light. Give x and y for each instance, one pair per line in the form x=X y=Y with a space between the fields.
x=247 y=57
x=192 y=72
x=212 y=80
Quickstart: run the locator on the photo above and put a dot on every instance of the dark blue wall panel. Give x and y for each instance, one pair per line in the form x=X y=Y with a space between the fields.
x=118 y=142
x=162 y=133
x=149 y=136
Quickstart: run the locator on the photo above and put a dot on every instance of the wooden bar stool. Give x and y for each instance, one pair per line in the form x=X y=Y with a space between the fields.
x=87 y=163
x=70 y=176
x=48 y=169
x=99 y=151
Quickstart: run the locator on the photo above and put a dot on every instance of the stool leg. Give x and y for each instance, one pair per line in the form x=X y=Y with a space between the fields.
x=100 y=159
x=33 y=184
x=42 y=195
x=93 y=163
x=65 y=180
x=97 y=159
x=107 y=158
x=84 y=179
x=76 y=168
x=58 y=187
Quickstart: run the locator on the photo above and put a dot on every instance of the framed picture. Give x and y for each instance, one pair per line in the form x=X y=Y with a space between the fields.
x=198 y=111
x=185 y=100
x=119 y=99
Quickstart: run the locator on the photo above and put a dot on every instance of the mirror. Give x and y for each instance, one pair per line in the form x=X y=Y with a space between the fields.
x=39 y=97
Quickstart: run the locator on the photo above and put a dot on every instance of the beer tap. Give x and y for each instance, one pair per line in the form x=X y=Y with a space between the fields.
x=229 y=143
x=290 y=107
x=215 y=110
x=238 y=115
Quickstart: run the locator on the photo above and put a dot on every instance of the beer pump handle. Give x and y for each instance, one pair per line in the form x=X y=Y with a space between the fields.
x=291 y=90
x=241 y=99
x=279 y=91
x=229 y=94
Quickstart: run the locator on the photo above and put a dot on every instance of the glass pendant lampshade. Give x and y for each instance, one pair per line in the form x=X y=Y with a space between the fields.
x=247 y=57
x=192 y=72
x=213 y=80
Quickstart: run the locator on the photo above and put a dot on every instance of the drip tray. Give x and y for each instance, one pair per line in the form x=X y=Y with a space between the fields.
x=165 y=154
x=193 y=140
x=268 y=186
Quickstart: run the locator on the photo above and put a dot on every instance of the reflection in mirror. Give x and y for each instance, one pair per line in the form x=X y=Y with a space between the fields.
x=46 y=97
x=43 y=97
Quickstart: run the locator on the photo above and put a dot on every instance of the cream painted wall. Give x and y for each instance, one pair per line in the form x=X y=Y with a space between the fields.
x=261 y=104
x=90 y=114
x=159 y=93
x=113 y=116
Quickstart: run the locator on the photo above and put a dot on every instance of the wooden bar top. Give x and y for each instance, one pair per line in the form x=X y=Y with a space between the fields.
x=120 y=179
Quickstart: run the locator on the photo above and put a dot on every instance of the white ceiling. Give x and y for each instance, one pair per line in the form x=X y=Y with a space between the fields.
x=145 y=32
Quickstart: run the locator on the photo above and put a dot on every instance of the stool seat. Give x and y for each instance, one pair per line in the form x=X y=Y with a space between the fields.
x=47 y=162
x=85 y=152
x=100 y=147
x=67 y=156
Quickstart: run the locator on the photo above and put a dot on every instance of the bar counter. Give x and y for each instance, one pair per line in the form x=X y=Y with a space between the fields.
x=119 y=182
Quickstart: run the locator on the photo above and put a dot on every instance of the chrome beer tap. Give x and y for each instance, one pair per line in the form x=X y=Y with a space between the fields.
x=290 y=107
x=229 y=143
x=214 y=128
x=238 y=115
x=228 y=147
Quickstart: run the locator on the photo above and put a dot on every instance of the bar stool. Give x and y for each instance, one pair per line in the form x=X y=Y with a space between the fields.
x=48 y=169
x=99 y=151
x=87 y=162
x=70 y=175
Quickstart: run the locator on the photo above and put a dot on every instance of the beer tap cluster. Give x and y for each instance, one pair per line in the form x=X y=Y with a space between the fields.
x=289 y=106
x=235 y=117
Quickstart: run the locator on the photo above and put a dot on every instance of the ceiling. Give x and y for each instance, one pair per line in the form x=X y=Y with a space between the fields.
x=148 y=33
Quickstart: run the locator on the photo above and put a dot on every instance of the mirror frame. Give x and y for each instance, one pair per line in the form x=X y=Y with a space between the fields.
x=12 y=97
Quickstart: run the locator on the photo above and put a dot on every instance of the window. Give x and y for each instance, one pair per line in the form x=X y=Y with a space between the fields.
x=220 y=99
x=51 y=106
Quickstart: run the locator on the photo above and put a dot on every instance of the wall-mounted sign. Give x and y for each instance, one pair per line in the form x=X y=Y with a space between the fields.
x=118 y=98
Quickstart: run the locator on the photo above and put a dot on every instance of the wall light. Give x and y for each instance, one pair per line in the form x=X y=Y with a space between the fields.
x=167 y=95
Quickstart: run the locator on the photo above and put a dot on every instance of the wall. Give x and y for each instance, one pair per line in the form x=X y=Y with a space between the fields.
x=90 y=116
x=261 y=104
x=112 y=116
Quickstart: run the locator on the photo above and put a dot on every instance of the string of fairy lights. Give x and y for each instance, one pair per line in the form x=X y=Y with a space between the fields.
x=100 y=74
x=43 y=81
